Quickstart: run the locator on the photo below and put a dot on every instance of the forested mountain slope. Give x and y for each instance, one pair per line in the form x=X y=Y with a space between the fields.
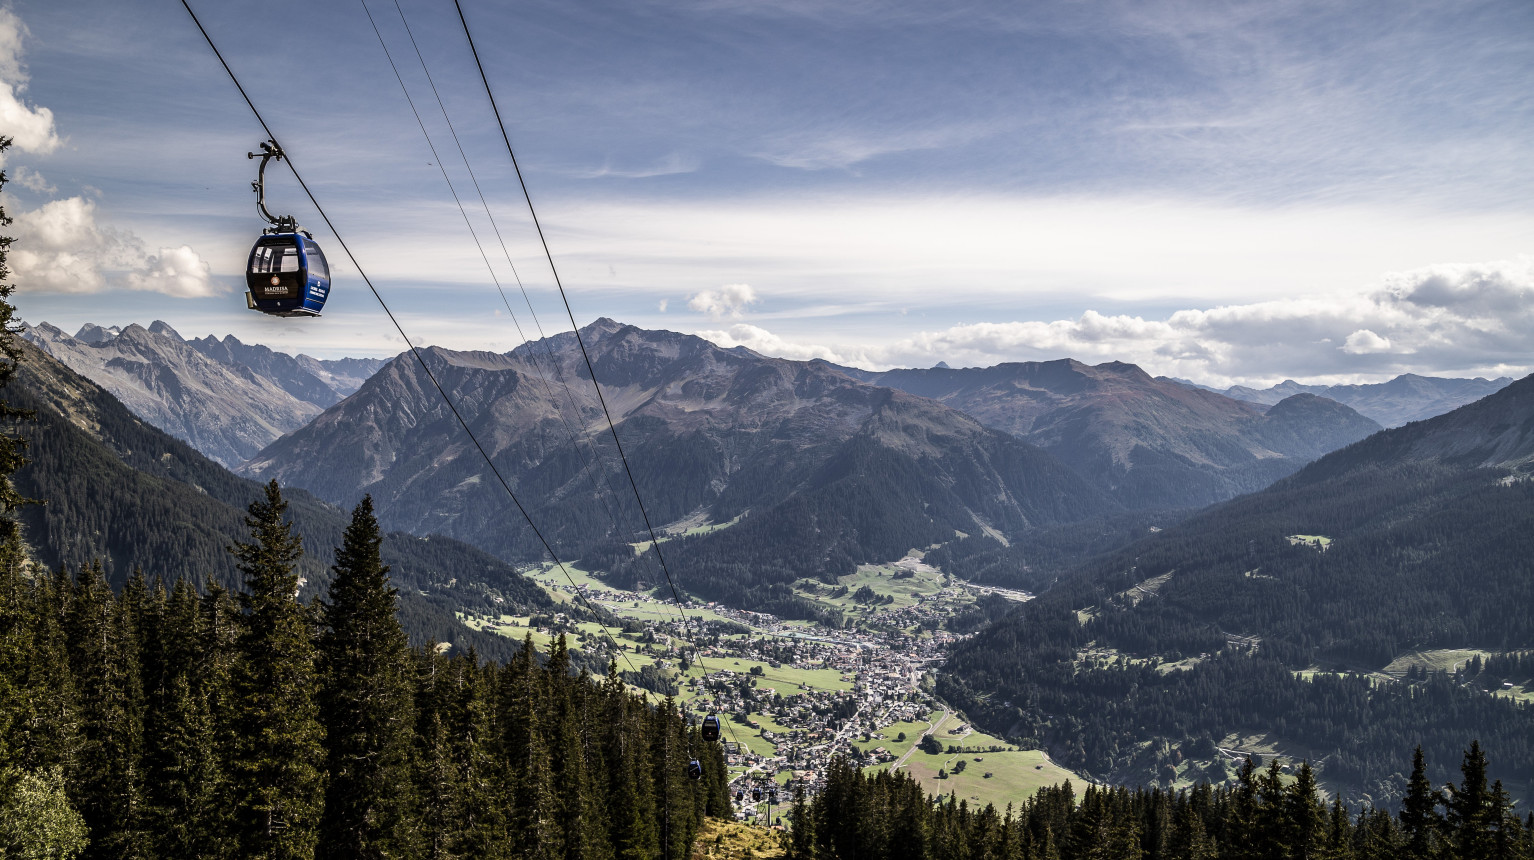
x=1152 y=443
x=1415 y=539
x=124 y=493
x=815 y=470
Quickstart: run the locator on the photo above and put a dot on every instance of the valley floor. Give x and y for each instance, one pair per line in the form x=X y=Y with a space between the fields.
x=794 y=694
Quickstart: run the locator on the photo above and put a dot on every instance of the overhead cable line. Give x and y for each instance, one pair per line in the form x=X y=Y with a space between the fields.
x=587 y=466
x=591 y=369
x=414 y=350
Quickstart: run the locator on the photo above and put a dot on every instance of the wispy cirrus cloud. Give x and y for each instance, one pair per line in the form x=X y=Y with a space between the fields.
x=671 y=165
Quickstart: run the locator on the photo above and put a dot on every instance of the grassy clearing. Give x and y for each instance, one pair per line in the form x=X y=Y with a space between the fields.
x=912 y=729
x=1320 y=542
x=1015 y=776
x=748 y=737
x=731 y=840
x=516 y=627
x=555 y=577
x=950 y=733
x=1438 y=660
x=786 y=680
x=1149 y=588
x=1516 y=693
x=881 y=580
x=685 y=530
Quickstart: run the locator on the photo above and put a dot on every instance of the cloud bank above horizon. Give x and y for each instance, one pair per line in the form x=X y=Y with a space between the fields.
x=1467 y=319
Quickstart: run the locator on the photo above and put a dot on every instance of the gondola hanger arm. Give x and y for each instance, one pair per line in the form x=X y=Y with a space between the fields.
x=283 y=223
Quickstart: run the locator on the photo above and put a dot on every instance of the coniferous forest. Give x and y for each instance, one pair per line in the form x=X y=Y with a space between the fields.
x=164 y=722
x=1265 y=815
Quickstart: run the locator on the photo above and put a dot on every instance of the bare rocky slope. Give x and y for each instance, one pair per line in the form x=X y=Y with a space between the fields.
x=225 y=398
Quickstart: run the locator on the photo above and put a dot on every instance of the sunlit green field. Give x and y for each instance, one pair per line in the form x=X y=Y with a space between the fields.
x=1437 y=660
x=912 y=729
x=1015 y=776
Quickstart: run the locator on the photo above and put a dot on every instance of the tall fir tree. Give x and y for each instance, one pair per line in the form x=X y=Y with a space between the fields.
x=1470 y=808
x=107 y=782
x=1420 y=821
x=15 y=645
x=277 y=772
x=367 y=705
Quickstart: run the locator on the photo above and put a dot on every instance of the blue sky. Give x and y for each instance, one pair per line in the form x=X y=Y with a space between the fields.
x=1230 y=192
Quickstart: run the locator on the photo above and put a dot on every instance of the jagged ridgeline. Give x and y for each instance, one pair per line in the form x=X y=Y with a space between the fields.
x=809 y=469
x=1380 y=595
x=122 y=493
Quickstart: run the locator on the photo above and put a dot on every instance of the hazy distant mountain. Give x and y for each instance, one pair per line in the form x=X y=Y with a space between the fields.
x=127 y=495
x=225 y=398
x=1151 y=442
x=824 y=468
x=1419 y=537
x=1406 y=398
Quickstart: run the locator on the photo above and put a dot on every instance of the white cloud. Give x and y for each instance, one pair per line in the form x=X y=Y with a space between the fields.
x=174 y=271
x=30 y=127
x=1363 y=342
x=1455 y=319
x=662 y=305
x=726 y=302
x=767 y=343
x=61 y=249
x=32 y=181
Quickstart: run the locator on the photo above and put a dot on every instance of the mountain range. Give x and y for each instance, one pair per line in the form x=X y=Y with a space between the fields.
x=814 y=469
x=1151 y=443
x=225 y=398
x=1402 y=400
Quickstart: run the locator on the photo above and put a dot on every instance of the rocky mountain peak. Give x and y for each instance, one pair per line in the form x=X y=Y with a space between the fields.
x=92 y=333
x=162 y=328
x=223 y=397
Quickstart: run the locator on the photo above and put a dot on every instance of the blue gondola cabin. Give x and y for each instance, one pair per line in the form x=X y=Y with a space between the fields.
x=287 y=276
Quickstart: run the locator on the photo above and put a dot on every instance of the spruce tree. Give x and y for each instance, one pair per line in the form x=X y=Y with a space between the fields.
x=1304 y=816
x=367 y=705
x=12 y=446
x=107 y=782
x=1419 y=812
x=533 y=821
x=277 y=770
x=1470 y=808
x=14 y=639
x=182 y=767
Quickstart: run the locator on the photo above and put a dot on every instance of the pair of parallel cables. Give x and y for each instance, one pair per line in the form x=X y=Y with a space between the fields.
x=416 y=352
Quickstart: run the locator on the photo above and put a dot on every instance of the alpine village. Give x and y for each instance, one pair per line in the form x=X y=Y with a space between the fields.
x=627 y=593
